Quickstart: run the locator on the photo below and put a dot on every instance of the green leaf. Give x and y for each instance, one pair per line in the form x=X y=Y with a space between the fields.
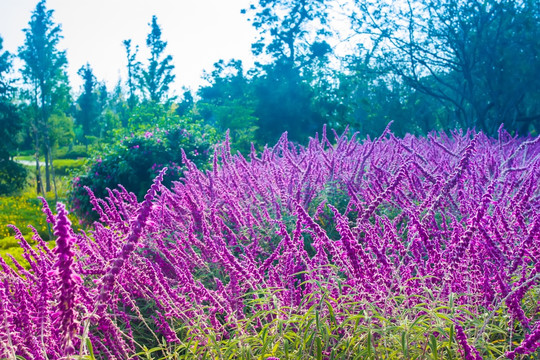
x=90 y=349
x=369 y=345
x=331 y=313
x=433 y=346
x=319 y=348
x=404 y=345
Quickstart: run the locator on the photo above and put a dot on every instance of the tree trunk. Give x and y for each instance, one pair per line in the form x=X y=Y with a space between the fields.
x=53 y=175
x=39 y=183
x=47 y=170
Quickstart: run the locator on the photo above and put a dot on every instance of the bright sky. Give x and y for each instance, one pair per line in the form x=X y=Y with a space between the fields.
x=198 y=33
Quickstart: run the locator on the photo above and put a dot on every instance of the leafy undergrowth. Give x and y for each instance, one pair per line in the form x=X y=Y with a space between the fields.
x=20 y=211
x=413 y=248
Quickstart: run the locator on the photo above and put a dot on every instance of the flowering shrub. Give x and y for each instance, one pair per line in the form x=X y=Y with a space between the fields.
x=435 y=254
x=136 y=159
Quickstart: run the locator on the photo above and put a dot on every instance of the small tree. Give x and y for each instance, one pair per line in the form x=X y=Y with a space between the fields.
x=89 y=109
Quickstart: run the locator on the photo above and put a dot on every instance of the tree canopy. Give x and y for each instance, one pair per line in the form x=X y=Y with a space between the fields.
x=359 y=64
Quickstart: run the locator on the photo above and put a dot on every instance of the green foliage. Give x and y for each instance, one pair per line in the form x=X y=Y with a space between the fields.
x=337 y=327
x=62 y=132
x=73 y=152
x=285 y=102
x=89 y=108
x=64 y=167
x=9 y=118
x=21 y=211
x=135 y=160
x=12 y=176
x=228 y=104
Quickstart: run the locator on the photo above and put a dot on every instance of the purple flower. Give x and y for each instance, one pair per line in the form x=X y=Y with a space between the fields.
x=46 y=210
x=69 y=280
x=469 y=352
x=129 y=245
x=528 y=346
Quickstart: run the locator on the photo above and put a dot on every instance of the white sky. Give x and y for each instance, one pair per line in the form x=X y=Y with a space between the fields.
x=198 y=33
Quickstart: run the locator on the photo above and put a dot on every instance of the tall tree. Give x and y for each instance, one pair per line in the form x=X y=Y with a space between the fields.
x=157 y=77
x=290 y=30
x=44 y=70
x=478 y=58
x=12 y=175
x=293 y=36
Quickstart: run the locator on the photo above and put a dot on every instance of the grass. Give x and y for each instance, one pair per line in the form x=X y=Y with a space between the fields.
x=64 y=167
x=22 y=210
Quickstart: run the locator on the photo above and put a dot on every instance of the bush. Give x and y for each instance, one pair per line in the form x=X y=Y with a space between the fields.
x=12 y=177
x=136 y=159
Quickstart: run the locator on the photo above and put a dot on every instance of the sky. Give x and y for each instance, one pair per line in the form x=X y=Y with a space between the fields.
x=198 y=33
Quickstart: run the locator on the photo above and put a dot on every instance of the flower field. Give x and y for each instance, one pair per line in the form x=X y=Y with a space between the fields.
x=386 y=248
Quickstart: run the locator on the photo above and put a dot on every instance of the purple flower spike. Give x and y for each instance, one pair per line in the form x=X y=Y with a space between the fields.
x=129 y=245
x=69 y=280
x=528 y=346
x=46 y=210
x=469 y=352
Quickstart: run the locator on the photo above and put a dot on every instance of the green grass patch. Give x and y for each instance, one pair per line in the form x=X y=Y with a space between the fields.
x=76 y=152
x=21 y=211
x=25 y=209
x=65 y=167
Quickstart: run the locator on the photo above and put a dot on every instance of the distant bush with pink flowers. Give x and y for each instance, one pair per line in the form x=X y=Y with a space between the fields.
x=135 y=160
x=391 y=248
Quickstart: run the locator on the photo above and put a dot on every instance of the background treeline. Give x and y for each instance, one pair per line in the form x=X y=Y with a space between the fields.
x=425 y=64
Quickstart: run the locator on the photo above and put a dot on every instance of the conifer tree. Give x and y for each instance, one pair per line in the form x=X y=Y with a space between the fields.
x=157 y=77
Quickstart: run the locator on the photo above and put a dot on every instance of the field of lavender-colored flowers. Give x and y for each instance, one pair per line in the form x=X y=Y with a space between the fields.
x=390 y=248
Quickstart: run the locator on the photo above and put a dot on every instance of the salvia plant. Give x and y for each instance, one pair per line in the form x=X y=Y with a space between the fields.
x=386 y=248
